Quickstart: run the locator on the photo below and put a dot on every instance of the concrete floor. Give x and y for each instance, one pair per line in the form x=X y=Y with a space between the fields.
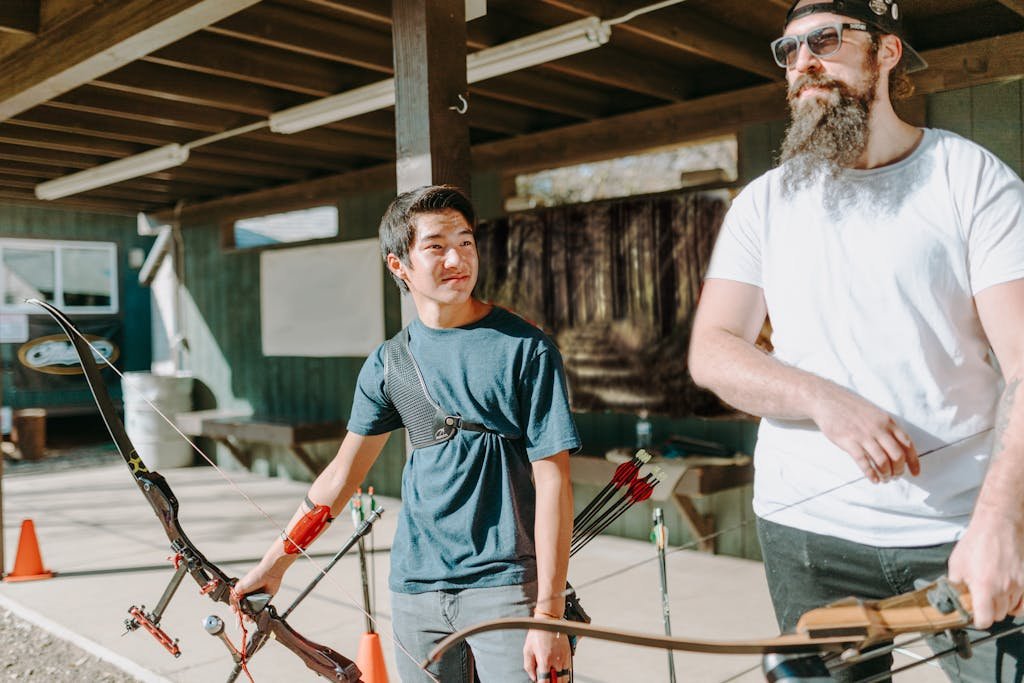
x=97 y=532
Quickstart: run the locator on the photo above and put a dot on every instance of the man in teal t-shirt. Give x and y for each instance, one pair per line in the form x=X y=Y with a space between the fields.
x=486 y=515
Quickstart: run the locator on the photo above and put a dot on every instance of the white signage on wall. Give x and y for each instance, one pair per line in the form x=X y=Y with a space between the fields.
x=322 y=300
x=13 y=328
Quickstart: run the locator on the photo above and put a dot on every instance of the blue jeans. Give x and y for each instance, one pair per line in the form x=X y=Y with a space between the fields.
x=807 y=570
x=421 y=620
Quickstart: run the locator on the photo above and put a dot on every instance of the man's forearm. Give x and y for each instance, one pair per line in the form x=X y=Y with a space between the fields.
x=552 y=532
x=1000 y=493
x=332 y=487
x=749 y=379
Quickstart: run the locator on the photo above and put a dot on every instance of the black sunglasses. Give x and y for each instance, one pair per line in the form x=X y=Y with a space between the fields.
x=822 y=41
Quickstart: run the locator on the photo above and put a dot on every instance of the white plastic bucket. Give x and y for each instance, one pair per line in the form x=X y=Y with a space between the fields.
x=159 y=445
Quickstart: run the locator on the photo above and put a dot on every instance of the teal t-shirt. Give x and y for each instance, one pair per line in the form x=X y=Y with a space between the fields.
x=468 y=503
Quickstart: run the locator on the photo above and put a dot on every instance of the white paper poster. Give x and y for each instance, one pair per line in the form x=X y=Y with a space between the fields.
x=322 y=300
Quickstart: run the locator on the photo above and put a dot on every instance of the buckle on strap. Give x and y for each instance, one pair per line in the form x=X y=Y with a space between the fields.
x=455 y=423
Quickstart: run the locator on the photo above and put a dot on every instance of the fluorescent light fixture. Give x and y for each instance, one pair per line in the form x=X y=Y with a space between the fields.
x=154 y=160
x=539 y=48
x=561 y=41
x=344 y=105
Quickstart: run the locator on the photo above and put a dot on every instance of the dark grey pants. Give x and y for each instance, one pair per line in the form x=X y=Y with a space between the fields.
x=422 y=620
x=807 y=570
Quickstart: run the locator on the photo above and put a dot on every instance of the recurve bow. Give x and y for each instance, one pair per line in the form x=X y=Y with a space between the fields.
x=213 y=582
x=840 y=632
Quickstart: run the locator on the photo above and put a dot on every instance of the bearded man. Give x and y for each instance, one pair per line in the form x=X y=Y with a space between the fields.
x=890 y=262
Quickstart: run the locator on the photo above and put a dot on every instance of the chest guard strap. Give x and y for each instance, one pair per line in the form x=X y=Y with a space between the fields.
x=427 y=423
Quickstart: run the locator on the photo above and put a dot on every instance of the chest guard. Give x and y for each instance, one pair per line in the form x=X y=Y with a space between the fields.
x=426 y=422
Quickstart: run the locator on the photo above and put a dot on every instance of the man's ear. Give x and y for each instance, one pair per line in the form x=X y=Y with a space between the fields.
x=890 y=51
x=396 y=266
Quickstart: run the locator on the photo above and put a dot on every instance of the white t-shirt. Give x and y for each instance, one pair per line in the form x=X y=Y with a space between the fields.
x=869 y=282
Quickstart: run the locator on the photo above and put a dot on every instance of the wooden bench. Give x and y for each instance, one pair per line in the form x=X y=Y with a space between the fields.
x=234 y=429
x=685 y=479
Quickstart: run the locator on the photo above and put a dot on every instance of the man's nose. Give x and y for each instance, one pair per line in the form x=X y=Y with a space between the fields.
x=452 y=258
x=805 y=60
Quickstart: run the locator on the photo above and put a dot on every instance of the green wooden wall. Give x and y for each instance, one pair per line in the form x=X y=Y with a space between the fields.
x=32 y=222
x=991 y=115
x=222 y=324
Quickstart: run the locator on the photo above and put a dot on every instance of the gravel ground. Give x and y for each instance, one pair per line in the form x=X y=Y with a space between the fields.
x=29 y=653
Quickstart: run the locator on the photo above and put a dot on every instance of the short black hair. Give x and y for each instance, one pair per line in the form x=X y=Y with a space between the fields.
x=398 y=226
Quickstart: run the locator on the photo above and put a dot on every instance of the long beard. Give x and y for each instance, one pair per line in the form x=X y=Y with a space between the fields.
x=825 y=134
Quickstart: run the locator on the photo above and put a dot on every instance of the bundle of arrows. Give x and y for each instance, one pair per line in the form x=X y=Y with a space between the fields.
x=626 y=489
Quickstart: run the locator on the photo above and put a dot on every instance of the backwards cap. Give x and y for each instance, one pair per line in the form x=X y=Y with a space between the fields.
x=884 y=15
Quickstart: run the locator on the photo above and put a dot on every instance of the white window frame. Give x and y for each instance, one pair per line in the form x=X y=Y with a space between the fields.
x=58 y=247
x=230 y=242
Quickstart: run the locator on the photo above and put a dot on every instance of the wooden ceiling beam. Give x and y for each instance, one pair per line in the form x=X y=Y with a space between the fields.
x=485 y=114
x=19 y=16
x=683 y=28
x=134 y=106
x=44 y=157
x=28 y=176
x=206 y=161
x=66 y=142
x=328 y=142
x=202 y=165
x=377 y=12
x=310 y=34
x=148 y=109
x=97 y=41
x=87 y=123
x=53 y=12
x=76 y=202
x=190 y=89
x=262 y=65
x=11 y=42
x=372 y=179
x=318 y=142
x=976 y=63
x=25 y=169
x=606 y=65
x=559 y=97
x=1015 y=5
x=176 y=85
x=672 y=124
x=309 y=76
x=100 y=146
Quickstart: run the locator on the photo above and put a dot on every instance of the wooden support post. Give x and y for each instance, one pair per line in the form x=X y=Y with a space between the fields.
x=432 y=136
x=431 y=123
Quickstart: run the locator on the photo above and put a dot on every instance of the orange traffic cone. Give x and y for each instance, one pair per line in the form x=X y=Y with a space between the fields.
x=370 y=660
x=28 y=563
